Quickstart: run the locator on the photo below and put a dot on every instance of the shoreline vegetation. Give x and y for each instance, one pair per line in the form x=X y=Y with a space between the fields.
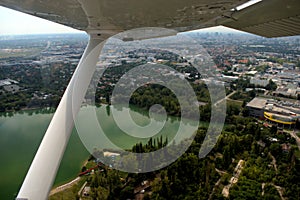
x=64 y=186
x=77 y=180
x=40 y=109
x=34 y=110
x=60 y=187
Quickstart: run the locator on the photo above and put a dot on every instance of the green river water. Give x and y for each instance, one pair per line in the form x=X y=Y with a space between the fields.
x=21 y=133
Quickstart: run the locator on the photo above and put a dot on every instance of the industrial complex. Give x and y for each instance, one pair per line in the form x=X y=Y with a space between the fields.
x=282 y=113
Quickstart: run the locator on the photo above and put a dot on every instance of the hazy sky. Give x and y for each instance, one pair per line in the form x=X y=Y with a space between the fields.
x=15 y=23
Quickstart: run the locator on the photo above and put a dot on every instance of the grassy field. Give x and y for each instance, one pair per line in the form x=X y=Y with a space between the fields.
x=13 y=53
x=234 y=103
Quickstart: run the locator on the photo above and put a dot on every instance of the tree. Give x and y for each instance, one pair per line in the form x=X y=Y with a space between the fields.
x=273 y=129
x=275 y=149
x=271 y=85
x=127 y=193
x=83 y=169
x=226 y=157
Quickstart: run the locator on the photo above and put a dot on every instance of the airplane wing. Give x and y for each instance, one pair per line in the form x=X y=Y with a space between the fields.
x=273 y=18
x=269 y=18
x=124 y=15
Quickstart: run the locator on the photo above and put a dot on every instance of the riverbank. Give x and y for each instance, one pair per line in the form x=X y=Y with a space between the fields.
x=67 y=185
x=64 y=187
x=51 y=109
x=76 y=180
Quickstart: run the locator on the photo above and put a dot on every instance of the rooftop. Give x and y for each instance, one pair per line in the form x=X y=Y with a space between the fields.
x=258 y=103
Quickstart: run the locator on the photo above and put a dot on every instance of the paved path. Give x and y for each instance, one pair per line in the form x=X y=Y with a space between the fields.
x=213 y=191
x=221 y=173
x=65 y=186
x=280 y=191
x=294 y=135
x=278 y=188
x=273 y=162
x=229 y=95
x=234 y=179
x=263 y=189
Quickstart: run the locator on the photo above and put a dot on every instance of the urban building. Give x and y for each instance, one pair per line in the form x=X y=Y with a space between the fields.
x=282 y=113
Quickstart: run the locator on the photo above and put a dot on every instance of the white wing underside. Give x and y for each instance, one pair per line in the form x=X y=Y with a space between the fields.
x=269 y=18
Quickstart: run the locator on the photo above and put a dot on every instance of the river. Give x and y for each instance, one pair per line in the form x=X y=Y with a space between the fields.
x=21 y=133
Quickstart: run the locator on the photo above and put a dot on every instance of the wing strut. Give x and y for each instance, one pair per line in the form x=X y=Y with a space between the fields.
x=42 y=172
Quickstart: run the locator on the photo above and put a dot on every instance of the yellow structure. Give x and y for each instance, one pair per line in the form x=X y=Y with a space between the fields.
x=280 y=118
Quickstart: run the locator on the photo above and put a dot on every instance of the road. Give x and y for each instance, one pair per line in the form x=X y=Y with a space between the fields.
x=294 y=135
